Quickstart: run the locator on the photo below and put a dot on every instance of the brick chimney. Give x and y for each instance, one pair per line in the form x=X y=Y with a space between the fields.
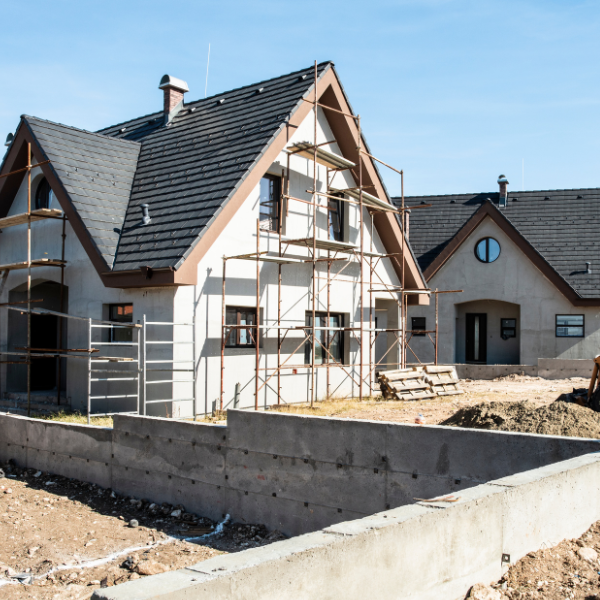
x=503 y=183
x=173 y=90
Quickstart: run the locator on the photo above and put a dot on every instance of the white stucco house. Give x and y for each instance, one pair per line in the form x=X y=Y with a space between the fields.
x=152 y=207
x=528 y=267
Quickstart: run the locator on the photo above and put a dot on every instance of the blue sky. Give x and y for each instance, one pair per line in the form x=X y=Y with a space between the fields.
x=454 y=92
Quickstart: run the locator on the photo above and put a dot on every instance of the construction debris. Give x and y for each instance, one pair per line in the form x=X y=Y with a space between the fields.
x=418 y=383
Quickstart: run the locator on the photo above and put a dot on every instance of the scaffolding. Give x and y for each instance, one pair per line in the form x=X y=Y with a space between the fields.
x=364 y=330
x=29 y=217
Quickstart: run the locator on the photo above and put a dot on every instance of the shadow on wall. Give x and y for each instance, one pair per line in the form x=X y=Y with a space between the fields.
x=488 y=332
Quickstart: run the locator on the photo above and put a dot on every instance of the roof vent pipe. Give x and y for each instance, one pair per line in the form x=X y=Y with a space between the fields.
x=146 y=220
x=588 y=268
x=503 y=183
x=9 y=138
x=406 y=224
x=173 y=89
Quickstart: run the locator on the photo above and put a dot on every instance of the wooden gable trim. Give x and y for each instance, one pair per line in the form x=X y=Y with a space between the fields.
x=346 y=133
x=488 y=209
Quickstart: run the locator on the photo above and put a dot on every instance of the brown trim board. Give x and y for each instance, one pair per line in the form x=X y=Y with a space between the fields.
x=488 y=209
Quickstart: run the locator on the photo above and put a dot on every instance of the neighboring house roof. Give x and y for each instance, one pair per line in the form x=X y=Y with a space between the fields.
x=557 y=229
x=194 y=173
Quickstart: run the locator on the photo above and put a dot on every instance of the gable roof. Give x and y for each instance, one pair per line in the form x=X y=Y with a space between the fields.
x=97 y=173
x=194 y=172
x=188 y=170
x=555 y=228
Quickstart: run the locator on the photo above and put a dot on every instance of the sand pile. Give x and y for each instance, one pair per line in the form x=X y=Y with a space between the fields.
x=558 y=418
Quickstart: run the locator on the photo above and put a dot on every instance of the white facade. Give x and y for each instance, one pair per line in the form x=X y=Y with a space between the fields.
x=511 y=287
x=202 y=303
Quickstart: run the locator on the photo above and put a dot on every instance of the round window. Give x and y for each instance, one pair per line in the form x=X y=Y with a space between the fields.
x=487 y=250
x=43 y=195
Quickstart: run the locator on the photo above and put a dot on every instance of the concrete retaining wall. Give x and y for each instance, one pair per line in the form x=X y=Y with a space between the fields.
x=293 y=473
x=424 y=551
x=548 y=368
x=493 y=371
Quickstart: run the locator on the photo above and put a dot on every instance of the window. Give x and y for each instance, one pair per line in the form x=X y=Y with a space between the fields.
x=332 y=340
x=418 y=324
x=487 y=250
x=335 y=218
x=569 y=326
x=43 y=195
x=270 y=201
x=508 y=328
x=237 y=336
x=121 y=313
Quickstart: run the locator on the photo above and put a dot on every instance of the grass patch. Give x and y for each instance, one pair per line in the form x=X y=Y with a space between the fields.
x=76 y=417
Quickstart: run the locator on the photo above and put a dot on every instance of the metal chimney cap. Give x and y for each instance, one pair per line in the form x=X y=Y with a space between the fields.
x=502 y=179
x=9 y=138
x=168 y=81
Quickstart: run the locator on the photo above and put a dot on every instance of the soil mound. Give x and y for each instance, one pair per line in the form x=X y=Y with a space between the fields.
x=558 y=418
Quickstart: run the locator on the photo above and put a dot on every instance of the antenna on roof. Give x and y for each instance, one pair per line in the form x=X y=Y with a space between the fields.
x=207 y=63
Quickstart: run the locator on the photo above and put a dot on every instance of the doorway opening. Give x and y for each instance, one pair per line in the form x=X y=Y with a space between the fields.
x=488 y=332
x=45 y=335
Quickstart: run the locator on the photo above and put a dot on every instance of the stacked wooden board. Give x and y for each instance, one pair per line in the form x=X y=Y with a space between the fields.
x=418 y=383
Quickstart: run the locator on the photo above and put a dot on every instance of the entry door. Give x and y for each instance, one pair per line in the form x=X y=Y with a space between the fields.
x=476 y=338
x=44 y=334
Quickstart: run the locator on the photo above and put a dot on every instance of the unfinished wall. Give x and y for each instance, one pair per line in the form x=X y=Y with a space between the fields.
x=292 y=473
x=421 y=551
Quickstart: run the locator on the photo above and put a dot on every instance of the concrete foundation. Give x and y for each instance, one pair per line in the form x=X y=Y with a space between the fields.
x=304 y=474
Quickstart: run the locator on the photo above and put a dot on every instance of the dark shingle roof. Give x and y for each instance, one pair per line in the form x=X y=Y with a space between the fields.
x=562 y=225
x=96 y=171
x=188 y=170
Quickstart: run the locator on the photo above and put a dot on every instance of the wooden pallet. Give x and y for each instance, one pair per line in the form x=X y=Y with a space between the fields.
x=419 y=382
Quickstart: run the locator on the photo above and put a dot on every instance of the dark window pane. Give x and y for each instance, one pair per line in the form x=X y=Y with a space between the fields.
x=328 y=344
x=569 y=326
x=43 y=195
x=335 y=209
x=269 y=202
x=418 y=323
x=121 y=313
x=240 y=336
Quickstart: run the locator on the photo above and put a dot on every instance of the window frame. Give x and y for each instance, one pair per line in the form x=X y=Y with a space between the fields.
x=277 y=217
x=504 y=328
x=48 y=199
x=251 y=327
x=487 y=260
x=339 y=209
x=556 y=326
x=414 y=328
x=327 y=341
x=115 y=332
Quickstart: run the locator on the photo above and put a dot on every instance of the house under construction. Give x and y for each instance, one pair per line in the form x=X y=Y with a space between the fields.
x=240 y=250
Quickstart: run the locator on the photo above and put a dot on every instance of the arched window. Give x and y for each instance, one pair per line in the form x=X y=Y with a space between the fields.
x=487 y=250
x=43 y=195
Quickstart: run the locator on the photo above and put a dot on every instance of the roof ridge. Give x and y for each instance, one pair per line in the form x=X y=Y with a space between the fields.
x=209 y=98
x=95 y=133
x=496 y=193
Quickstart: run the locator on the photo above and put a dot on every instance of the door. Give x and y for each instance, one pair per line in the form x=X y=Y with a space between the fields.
x=476 y=338
x=44 y=335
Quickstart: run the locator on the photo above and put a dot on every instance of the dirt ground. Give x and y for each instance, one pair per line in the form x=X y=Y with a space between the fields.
x=52 y=529
x=64 y=538
x=567 y=571
x=512 y=388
